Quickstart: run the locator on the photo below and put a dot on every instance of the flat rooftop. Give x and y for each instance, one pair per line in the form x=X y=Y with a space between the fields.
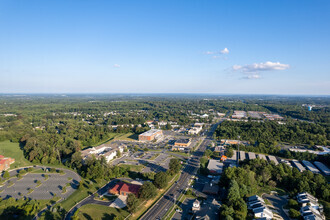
x=182 y=141
x=298 y=165
x=215 y=165
x=310 y=166
x=322 y=167
x=151 y=132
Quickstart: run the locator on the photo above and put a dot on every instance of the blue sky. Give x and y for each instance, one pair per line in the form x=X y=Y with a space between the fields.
x=233 y=47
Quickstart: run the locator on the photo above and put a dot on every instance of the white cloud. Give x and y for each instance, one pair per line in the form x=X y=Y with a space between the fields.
x=210 y=52
x=257 y=67
x=224 y=51
x=252 y=76
x=116 y=65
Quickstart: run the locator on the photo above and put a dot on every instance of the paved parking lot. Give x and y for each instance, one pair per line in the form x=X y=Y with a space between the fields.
x=48 y=188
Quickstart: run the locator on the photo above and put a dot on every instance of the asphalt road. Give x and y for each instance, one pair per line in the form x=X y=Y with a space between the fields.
x=159 y=210
x=278 y=202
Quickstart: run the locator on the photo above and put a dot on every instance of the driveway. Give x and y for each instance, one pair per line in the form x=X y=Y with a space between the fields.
x=278 y=202
x=119 y=202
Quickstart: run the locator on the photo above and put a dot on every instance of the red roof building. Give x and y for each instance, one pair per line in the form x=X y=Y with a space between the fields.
x=5 y=162
x=122 y=188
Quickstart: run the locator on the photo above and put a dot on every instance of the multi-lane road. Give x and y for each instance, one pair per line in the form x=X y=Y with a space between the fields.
x=159 y=210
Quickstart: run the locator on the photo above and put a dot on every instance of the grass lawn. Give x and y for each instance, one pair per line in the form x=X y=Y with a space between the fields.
x=180 y=153
x=154 y=156
x=93 y=211
x=136 y=168
x=127 y=137
x=81 y=193
x=9 y=149
x=111 y=137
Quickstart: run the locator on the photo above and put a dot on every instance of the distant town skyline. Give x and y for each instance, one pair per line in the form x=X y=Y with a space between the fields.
x=220 y=47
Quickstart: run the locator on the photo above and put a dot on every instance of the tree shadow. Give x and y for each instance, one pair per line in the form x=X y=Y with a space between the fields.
x=106 y=216
x=87 y=216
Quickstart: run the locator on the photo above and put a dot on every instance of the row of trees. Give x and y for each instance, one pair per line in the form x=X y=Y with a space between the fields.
x=270 y=132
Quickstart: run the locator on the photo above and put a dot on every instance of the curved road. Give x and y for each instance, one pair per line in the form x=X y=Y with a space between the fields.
x=278 y=202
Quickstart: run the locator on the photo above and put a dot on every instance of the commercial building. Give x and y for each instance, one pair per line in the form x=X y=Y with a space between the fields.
x=324 y=169
x=230 y=142
x=252 y=155
x=122 y=188
x=182 y=143
x=108 y=151
x=310 y=166
x=272 y=117
x=298 y=165
x=196 y=128
x=272 y=158
x=5 y=162
x=242 y=155
x=262 y=156
x=239 y=114
x=215 y=167
x=151 y=135
x=286 y=162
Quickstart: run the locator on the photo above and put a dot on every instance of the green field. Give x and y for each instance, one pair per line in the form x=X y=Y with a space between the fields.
x=92 y=211
x=180 y=153
x=9 y=149
x=127 y=137
x=110 y=138
x=136 y=168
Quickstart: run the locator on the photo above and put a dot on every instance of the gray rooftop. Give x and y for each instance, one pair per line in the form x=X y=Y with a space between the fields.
x=242 y=155
x=262 y=156
x=252 y=155
x=215 y=165
x=272 y=158
x=310 y=166
x=298 y=165
x=322 y=167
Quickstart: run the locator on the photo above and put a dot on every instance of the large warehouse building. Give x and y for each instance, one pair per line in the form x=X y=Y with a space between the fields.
x=151 y=135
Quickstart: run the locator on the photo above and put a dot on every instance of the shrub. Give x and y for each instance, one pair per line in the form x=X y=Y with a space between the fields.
x=6 y=175
x=294 y=213
x=293 y=204
x=22 y=172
